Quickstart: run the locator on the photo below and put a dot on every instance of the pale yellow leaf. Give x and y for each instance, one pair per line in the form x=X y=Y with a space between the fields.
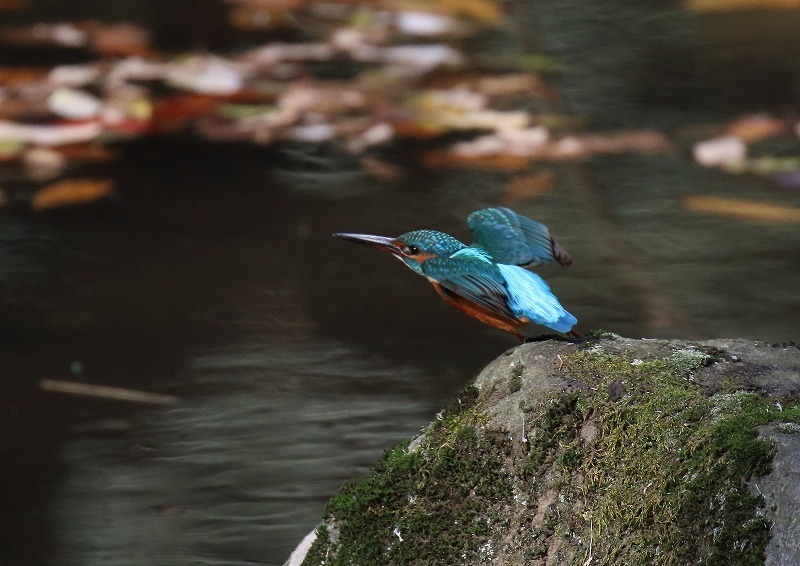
x=742 y=209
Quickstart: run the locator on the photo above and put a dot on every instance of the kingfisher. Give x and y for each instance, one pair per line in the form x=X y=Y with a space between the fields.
x=489 y=279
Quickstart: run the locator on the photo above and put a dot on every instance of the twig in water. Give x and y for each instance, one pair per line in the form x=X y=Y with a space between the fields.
x=107 y=392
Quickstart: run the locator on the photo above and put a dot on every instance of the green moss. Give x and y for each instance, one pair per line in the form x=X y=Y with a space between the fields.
x=666 y=475
x=601 y=334
x=318 y=551
x=424 y=506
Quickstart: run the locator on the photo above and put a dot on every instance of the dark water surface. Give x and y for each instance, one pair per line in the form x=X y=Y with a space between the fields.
x=298 y=358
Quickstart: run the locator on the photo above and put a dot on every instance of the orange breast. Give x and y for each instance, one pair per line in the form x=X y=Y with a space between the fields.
x=483 y=314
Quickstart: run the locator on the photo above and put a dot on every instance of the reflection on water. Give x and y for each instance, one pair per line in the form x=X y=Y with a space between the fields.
x=268 y=434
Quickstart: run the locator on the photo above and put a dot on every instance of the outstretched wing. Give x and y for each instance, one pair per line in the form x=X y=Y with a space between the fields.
x=513 y=239
x=476 y=280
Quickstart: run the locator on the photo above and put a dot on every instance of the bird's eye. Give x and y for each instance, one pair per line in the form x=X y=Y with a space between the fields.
x=411 y=250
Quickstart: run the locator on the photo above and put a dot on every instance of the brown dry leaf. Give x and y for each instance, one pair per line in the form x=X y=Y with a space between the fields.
x=274 y=4
x=580 y=146
x=61 y=34
x=487 y=12
x=9 y=5
x=120 y=40
x=173 y=113
x=89 y=153
x=381 y=170
x=251 y=18
x=742 y=209
x=70 y=192
x=43 y=164
x=414 y=129
x=451 y=160
x=756 y=127
x=523 y=187
x=727 y=5
x=638 y=141
x=10 y=76
x=527 y=84
x=49 y=135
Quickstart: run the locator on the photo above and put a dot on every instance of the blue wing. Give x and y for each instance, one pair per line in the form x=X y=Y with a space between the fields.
x=513 y=239
x=474 y=279
x=530 y=297
x=510 y=292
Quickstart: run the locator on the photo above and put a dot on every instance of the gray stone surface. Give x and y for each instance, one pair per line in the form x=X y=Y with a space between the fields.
x=532 y=373
x=781 y=491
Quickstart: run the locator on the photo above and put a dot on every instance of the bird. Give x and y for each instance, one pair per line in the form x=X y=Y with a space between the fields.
x=490 y=278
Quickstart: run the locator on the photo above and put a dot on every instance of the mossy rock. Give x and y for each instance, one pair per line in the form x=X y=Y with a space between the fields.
x=610 y=451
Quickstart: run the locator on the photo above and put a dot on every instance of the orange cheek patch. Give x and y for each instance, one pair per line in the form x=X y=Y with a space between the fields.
x=420 y=257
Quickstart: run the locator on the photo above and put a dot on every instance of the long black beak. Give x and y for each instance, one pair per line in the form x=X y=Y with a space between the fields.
x=382 y=243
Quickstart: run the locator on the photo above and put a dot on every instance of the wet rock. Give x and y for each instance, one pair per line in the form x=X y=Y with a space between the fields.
x=781 y=491
x=610 y=450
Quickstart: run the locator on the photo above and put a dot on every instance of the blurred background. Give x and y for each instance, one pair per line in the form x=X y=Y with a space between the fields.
x=191 y=365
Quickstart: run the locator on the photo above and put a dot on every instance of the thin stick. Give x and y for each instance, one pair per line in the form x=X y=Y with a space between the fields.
x=107 y=392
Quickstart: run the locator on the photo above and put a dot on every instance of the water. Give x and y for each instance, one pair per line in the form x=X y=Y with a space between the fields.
x=298 y=358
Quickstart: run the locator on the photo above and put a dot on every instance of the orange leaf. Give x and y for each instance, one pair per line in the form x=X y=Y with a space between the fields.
x=15 y=75
x=742 y=209
x=756 y=127
x=92 y=153
x=727 y=5
x=71 y=192
x=173 y=113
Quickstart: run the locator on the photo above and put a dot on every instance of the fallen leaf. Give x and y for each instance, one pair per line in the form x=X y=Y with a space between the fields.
x=486 y=12
x=417 y=59
x=426 y=24
x=73 y=104
x=249 y=18
x=729 y=5
x=742 y=209
x=376 y=134
x=62 y=34
x=89 y=153
x=723 y=151
x=70 y=192
x=635 y=141
x=756 y=127
x=173 y=113
x=415 y=129
x=43 y=163
x=205 y=75
x=49 y=135
x=9 y=5
x=275 y=53
x=120 y=40
x=74 y=75
x=512 y=141
x=381 y=170
x=273 y=4
x=10 y=76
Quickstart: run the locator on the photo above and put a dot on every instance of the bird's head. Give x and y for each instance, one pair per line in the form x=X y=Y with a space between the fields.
x=413 y=248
